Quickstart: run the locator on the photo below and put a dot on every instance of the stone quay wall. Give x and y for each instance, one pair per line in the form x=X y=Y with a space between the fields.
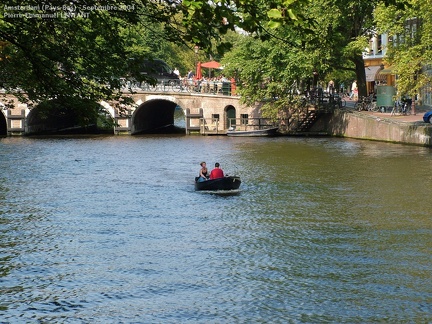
x=353 y=124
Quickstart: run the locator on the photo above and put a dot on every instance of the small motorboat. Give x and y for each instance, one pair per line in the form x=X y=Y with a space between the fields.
x=225 y=183
x=255 y=132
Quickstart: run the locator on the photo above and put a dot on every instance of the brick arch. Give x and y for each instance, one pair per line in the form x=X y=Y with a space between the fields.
x=3 y=122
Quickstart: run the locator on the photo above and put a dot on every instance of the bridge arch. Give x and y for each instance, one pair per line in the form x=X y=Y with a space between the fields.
x=153 y=115
x=66 y=116
x=3 y=122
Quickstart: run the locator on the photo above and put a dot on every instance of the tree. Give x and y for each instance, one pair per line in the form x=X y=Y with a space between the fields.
x=409 y=25
x=55 y=51
x=52 y=49
x=330 y=37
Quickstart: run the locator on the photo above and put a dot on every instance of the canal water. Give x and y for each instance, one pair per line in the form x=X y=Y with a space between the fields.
x=109 y=229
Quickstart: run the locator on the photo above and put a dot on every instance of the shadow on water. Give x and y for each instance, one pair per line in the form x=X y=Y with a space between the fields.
x=169 y=129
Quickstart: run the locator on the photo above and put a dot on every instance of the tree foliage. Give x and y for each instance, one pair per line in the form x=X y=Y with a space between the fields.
x=51 y=49
x=327 y=37
x=49 y=53
x=409 y=26
x=83 y=49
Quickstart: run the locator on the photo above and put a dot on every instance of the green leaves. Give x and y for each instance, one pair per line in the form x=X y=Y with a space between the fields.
x=274 y=14
x=291 y=14
x=409 y=26
x=84 y=56
x=277 y=16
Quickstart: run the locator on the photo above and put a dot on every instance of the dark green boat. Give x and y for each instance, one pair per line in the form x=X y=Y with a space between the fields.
x=225 y=183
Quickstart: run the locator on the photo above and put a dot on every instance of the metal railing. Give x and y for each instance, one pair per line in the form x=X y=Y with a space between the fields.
x=184 y=86
x=251 y=123
x=215 y=126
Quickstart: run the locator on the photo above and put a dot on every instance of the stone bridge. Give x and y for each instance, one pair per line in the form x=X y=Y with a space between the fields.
x=204 y=113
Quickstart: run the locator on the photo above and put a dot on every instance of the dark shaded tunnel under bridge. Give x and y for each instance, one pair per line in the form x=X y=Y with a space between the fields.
x=154 y=116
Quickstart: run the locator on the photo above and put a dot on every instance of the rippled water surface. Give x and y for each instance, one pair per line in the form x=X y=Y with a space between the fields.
x=110 y=230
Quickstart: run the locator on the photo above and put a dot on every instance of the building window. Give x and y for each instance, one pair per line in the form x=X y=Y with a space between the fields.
x=244 y=119
x=215 y=118
x=379 y=44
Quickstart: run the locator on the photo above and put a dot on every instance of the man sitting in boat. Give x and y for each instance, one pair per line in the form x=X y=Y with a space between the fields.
x=203 y=175
x=217 y=172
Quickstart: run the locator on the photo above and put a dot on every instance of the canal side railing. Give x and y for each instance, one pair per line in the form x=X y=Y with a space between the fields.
x=298 y=122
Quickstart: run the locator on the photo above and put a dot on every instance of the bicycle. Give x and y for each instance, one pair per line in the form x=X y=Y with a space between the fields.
x=339 y=100
x=344 y=95
x=401 y=108
x=183 y=86
x=406 y=107
x=187 y=85
x=362 y=103
x=372 y=106
x=148 y=87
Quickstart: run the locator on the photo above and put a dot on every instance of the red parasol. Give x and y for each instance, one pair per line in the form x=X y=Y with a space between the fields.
x=198 y=74
x=211 y=65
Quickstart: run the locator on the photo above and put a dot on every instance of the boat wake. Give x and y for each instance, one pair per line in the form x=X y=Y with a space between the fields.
x=233 y=192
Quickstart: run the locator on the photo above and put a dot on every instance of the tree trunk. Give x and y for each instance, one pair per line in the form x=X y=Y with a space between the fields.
x=361 y=76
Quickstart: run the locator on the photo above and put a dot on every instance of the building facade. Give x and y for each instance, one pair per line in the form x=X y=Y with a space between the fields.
x=378 y=73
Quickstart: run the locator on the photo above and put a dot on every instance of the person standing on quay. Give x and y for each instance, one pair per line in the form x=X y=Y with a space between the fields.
x=354 y=91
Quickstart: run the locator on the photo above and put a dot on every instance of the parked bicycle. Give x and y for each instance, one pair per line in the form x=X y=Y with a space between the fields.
x=364 y=103
x=187 y=85
x=402 y=107
x=339 y=100
x=373 y=107
x=406 y=106
x=344 y=95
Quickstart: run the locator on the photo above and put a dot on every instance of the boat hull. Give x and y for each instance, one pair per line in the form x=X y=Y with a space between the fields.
x=225 y=183
x=254 y=133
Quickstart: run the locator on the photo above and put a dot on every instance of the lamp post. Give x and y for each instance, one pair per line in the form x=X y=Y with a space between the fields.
x=196 y=49
x=315 y=76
